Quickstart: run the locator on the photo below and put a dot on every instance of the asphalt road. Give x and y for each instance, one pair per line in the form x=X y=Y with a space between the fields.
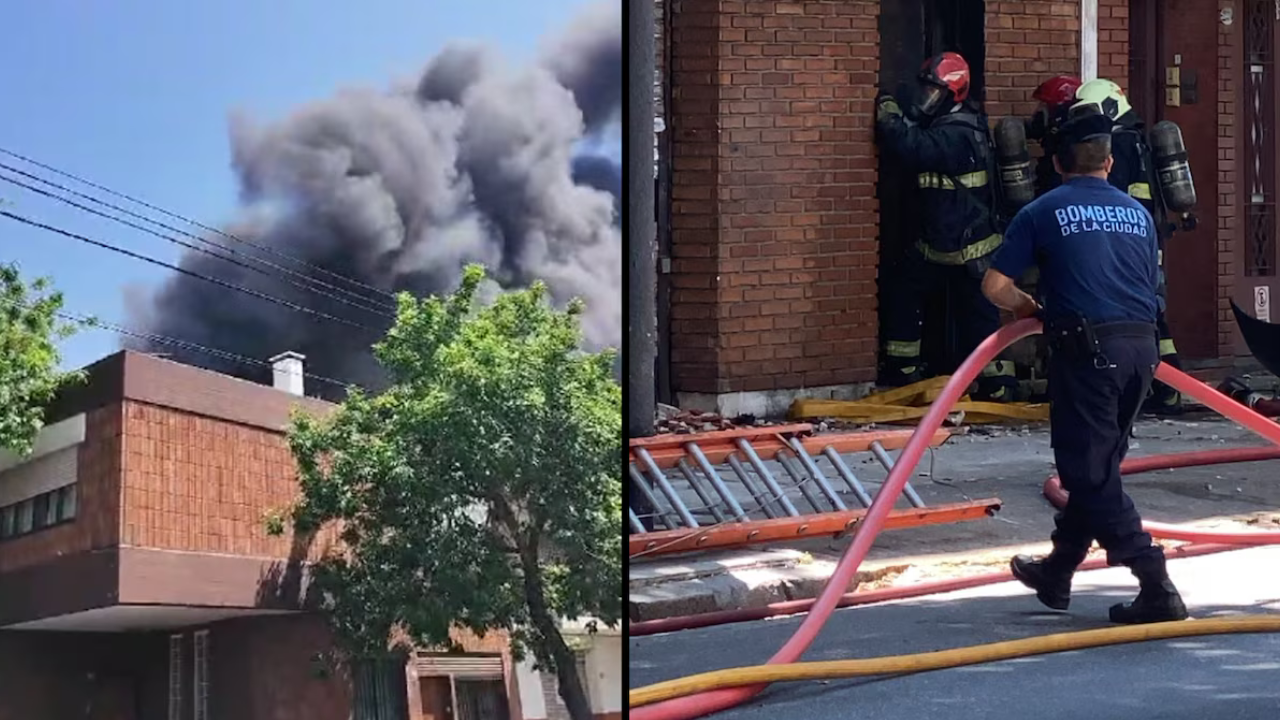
x=1220 y=677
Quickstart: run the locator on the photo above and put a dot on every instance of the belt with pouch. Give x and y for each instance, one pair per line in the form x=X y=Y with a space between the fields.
x=1077 y=339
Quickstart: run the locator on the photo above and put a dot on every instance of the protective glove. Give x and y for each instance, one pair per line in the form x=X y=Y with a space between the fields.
x=886 y=107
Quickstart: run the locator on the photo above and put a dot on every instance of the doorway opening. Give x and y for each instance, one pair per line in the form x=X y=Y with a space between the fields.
x=910 y=32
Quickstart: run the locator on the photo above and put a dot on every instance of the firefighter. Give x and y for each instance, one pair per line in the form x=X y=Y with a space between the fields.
x=946 y=146
x=1055 y=96
x=1096 y=249
x=1133 y=173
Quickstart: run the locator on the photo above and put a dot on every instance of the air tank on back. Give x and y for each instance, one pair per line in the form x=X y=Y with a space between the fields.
x=1173 y=172
x=1014 y=162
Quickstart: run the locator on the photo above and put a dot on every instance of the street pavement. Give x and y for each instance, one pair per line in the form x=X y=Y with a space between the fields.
x=1215 y=677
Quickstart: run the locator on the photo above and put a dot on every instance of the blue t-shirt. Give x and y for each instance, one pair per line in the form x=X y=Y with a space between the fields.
x=1096 y=250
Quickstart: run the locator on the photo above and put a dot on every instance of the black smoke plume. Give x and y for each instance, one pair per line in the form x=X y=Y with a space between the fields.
x=399 y=189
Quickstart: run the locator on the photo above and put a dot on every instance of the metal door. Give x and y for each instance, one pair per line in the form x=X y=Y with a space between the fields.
x=1257 y=24
x=482 y=700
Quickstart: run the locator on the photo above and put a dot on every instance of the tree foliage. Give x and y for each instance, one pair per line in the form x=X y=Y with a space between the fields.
x=30 y=328
x=481 y=490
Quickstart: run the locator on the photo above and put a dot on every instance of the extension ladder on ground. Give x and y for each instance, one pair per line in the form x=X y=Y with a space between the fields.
x=763 y=484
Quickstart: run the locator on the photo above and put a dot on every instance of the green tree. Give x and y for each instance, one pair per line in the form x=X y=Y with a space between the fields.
x=30 y=328
x=482 y=489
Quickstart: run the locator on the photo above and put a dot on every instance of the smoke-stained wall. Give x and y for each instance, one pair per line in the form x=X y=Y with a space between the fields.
x=479 y=161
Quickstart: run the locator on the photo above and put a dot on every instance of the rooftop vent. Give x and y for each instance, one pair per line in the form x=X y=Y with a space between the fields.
x=287 y=372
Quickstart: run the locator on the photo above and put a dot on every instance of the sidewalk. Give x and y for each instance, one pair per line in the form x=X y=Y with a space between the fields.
x=1010 y=464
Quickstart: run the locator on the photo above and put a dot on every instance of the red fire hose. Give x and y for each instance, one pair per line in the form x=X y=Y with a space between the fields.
x=831 y=596
x=870 y=597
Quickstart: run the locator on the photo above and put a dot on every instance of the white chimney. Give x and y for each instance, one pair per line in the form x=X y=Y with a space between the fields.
x=286 y=372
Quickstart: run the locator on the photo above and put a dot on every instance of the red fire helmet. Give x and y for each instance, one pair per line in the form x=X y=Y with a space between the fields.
x=1057 y=91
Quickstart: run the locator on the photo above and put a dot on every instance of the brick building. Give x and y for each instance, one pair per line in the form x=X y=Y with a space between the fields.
x=770 y=228
x=137 y=580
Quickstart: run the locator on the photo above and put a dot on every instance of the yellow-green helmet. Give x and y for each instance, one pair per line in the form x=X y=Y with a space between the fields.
x=1106 y=95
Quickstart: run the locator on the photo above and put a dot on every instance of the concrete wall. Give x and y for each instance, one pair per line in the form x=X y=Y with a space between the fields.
x=604 y=675
x=604 y=682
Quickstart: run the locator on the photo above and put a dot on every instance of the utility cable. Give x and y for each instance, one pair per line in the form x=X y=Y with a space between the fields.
x=188 y=345
x=195 y=223
x=221 y=283
x=96 y=324
x=387 y=305
x=384 y=312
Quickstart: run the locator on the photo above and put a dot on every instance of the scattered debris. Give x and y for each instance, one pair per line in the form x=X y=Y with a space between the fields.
x=674 y=421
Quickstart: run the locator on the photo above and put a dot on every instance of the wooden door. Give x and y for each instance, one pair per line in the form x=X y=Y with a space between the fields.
x=1182 y=36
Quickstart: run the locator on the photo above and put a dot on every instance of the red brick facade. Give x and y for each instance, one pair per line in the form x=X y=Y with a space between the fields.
x=175 y=476
x=1028 y=42
x=773 y=210
x=774 y=227
x=201 y=484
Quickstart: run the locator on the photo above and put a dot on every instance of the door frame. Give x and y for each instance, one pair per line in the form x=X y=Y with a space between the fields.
x=1245 y=284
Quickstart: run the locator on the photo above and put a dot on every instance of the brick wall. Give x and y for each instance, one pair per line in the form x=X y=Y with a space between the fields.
x=774 y=219
x=98 y=500
x=1027 y=43
x=1113 y=41
x=200 y=484
x=1230 y=62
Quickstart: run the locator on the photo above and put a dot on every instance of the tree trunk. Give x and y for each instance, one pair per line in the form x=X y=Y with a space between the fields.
x=551 y=643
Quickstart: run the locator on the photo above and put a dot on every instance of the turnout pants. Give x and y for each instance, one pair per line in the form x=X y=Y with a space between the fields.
x=1093 y=405
x=905 y=296
x=1162 y=396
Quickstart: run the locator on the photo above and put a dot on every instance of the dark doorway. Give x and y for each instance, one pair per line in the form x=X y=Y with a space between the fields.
x=910 y=32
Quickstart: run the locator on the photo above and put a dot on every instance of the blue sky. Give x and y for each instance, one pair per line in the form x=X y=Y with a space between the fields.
x=135 y=95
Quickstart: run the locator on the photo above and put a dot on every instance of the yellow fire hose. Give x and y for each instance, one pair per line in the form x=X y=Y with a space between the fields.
x=958 y=657
x=911 y=402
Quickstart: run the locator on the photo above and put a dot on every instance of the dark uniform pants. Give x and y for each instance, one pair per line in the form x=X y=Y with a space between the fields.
x=1092 y=410
x=906 y=293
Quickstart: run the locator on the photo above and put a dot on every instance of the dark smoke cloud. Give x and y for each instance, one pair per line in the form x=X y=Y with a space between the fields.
x=587 y=59
x=399 y=189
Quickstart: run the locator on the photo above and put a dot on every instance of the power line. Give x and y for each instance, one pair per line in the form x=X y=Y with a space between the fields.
x=97 y=324
x=194 y=223
x=188 y=345
x=381 y=312
x=184 y=271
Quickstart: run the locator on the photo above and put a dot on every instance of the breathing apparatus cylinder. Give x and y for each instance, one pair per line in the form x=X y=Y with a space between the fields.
x=1173 y=172
x=1017 y=181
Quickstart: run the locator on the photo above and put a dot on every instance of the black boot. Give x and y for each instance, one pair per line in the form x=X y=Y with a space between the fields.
x=1158 y=600
x=1050 y=577
x=896 y=373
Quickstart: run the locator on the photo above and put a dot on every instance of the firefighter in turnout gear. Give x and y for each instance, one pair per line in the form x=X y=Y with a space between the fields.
x=1055 y=97
x=1133 y=173
x=946 y=145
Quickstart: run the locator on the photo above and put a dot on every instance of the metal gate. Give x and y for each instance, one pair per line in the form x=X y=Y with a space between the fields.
x=379 y=689
x=477 y=683
x=1259 y=101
